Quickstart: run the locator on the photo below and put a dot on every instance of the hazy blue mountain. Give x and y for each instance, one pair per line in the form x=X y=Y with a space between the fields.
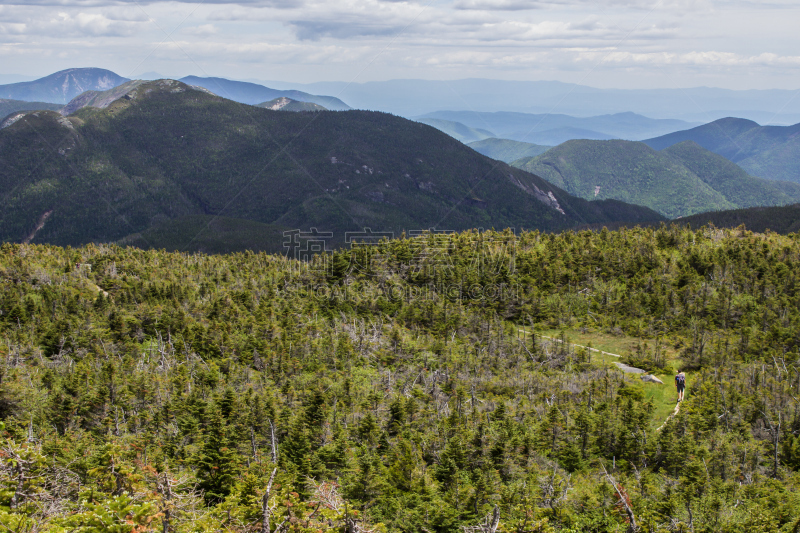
x=252 y=93
x=771 y=152
x=519 y=126
x=458 y=131
x=62 y=86
x=412 y=98
x=507 y=150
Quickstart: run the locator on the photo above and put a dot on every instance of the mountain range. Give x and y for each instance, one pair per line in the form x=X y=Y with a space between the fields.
x=680 y=180
x=771 y=152
x=62 y=87
x=411 y=98
x=553 y=129
x=253 y=94
x=166 y=158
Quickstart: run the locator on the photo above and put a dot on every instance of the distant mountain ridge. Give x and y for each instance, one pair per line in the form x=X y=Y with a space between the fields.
x=63 y=86
x=254 y=94
x=413 y=97
x=770 y=152
x=166 y=151
x=553 y=129
x=678 y=181
x=507 y=150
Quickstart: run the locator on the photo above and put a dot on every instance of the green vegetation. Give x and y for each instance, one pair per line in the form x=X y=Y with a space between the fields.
x=210 y=235
x=682 y=180
x=770 y=152
x=164 y=151
x=402 y=387
x=507 y=150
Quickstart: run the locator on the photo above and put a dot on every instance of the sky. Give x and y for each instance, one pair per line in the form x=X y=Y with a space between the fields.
x=602 y=43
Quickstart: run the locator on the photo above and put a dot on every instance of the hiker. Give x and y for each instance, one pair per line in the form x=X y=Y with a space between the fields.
x=680 y=384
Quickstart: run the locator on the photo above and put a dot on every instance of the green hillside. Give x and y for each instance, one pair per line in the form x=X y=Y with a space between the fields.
x=426 y=385
x=680 y=181
x=507 y=150
x=458 y=131
x=770 y=152
x=734 y=183
x=165 y=151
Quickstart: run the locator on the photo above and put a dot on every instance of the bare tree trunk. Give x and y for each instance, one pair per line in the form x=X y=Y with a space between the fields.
x=274 y=443
x=266 y=510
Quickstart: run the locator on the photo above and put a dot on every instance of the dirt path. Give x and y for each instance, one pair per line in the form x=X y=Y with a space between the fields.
x=623 y=367
x=578 y=345
x=671 y=416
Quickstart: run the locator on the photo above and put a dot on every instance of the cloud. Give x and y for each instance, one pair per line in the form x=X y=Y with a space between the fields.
x=695 y=58
x=112 y=3
x=523 y=5
x=496 y=5
x=313 y=30
x=204 y=30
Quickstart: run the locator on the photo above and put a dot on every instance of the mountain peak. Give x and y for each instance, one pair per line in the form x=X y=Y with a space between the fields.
x=63 y=86
x=129 y=91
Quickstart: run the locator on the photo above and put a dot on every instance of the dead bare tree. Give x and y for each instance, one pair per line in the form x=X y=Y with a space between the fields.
x=624 y=502
x=489 y=524
x=266 y=509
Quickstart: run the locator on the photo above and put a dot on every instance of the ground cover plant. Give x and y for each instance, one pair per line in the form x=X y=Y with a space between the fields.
x=414 y=385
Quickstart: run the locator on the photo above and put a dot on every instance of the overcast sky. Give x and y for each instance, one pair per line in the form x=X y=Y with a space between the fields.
x=602 y=43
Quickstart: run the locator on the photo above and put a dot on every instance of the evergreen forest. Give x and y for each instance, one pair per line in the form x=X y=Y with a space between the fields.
x=425 y=384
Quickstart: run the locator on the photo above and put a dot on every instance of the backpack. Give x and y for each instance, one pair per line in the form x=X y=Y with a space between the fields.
x=680 y=380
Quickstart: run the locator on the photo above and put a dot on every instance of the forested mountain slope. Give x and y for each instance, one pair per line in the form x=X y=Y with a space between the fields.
x=780 y=219
x=398 y=387
x=770 y=152
x=164 y=151
x=681 y=180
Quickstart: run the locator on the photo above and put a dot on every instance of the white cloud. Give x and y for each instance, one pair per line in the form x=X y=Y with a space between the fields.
x=477 y=38
x=204 y=30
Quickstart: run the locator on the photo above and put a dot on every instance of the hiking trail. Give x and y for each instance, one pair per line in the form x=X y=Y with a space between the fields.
x=671 y=416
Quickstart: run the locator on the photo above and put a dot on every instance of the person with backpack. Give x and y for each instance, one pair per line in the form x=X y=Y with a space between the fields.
x=680 y=384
